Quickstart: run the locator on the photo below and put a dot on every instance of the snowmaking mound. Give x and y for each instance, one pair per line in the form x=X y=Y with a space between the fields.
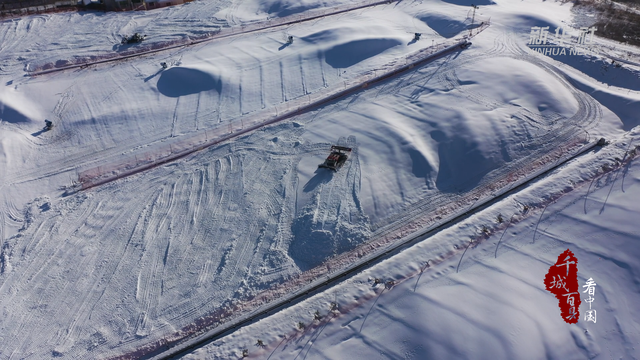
x=181 y=81
x=531 y=86
x=329 y=219
x=353 y=52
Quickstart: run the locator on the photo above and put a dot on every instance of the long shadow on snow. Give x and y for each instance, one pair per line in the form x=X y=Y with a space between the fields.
x=321 y=176
x=9 y=114
x=616 y=75
x=180 y=81
x=353 y=52
x=462 y=163
x=444 y=26
x=286 y=8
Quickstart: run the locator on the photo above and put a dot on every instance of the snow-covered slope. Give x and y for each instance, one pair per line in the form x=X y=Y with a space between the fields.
x=492 y=304
x=110 y=271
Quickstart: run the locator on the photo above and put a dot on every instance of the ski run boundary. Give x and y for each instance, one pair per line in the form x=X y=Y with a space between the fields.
x=185 y=146
x=220 y=34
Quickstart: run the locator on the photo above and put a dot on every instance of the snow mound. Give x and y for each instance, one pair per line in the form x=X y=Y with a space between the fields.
x=522 y=23
x=181 y=81
x=313 y=243
x=534 y=88
x=462 y=164
x=353 y=52
x=331 y=220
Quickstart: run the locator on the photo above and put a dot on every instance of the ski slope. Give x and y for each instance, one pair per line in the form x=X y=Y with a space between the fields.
x=123 y=269
x=485 y=300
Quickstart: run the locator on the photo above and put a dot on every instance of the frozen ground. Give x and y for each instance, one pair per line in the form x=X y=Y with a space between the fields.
x=105 y=272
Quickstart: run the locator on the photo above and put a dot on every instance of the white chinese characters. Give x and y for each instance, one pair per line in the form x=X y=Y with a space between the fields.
x=539 y=37
x=591 y=291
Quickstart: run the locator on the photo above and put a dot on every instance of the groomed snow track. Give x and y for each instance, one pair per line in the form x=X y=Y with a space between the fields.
x=319 y=285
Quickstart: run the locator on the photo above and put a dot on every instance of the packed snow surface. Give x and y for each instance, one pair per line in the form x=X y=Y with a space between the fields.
x=492 y=304
x=105 y=272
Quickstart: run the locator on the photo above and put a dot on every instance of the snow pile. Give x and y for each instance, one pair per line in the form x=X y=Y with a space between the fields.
x=183 y=81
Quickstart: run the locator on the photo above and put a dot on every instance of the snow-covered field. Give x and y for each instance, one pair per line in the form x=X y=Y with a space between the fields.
x=112 y=271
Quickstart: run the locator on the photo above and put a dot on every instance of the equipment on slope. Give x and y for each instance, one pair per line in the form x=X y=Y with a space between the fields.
x=133 y=39
x=337 y=158
x=465 y=45
x=48 y=125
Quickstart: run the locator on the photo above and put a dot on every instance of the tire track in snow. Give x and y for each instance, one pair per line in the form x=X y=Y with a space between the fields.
x=84 y=314
x=304 y=85
x=175 y=117
x=220 y=202
x=80 y=309
x=146 y=286
x=282 y=85
x=195 y=115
